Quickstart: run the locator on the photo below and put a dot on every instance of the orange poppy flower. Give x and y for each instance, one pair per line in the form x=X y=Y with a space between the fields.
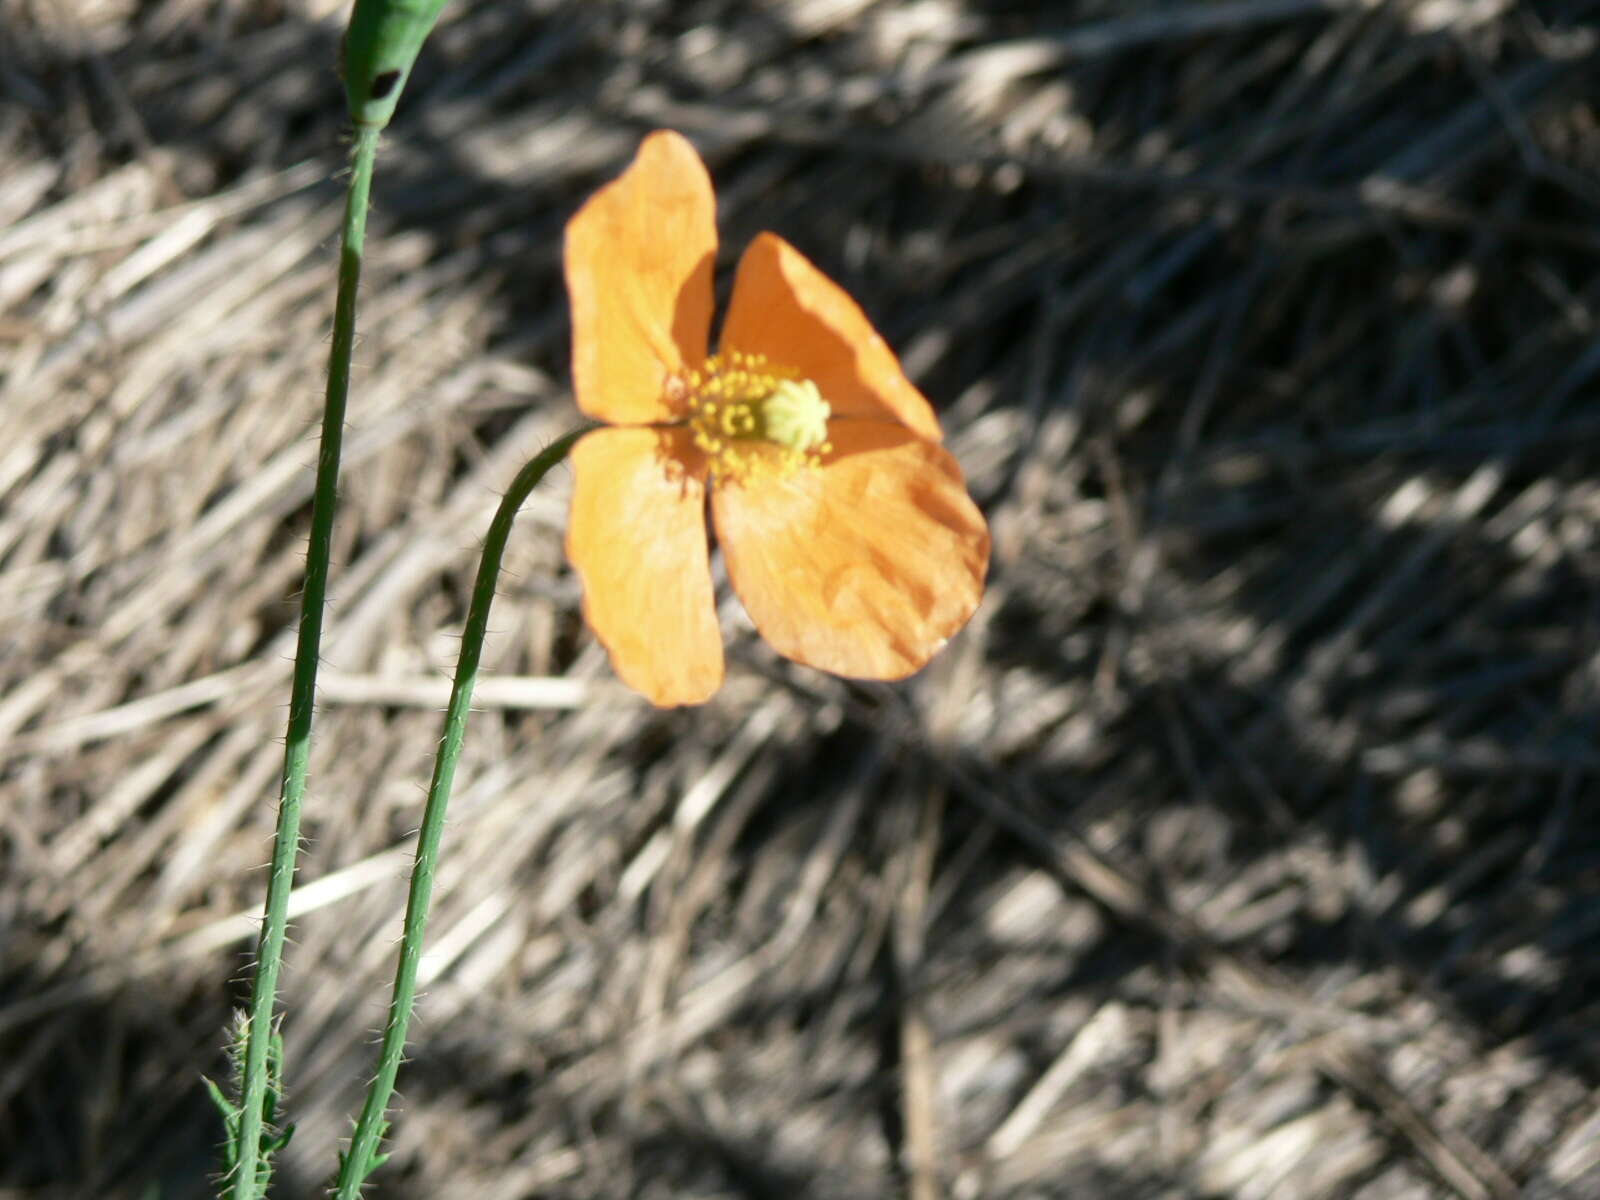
x=847 y=530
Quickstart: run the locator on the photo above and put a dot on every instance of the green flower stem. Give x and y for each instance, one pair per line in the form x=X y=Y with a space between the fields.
x=362 y=1158
x=248 y=1180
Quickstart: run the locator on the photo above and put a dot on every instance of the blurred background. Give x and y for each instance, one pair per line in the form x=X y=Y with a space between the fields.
x=1245 y=845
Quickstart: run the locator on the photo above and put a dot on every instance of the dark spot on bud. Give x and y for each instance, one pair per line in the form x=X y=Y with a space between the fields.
x=383 y=84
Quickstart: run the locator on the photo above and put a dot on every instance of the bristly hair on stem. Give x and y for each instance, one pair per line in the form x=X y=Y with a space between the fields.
x=250 y=1141
x=271 y=1139
x=380 y=45
x=363 y=1157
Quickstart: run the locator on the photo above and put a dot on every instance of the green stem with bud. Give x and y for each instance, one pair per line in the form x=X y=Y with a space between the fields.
x=380 y=47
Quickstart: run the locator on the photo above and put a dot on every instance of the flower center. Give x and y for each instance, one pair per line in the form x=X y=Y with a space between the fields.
x=753 y=418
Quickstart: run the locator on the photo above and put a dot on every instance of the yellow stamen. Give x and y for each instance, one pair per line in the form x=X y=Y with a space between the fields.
x=755 y=419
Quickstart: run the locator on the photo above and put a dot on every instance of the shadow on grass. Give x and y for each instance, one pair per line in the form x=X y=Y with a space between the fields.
x=1350 y=624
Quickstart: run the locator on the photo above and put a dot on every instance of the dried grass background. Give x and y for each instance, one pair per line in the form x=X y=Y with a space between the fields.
x=1244 y=846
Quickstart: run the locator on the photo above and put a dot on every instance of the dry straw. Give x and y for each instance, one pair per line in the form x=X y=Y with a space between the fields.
x=1242 y=847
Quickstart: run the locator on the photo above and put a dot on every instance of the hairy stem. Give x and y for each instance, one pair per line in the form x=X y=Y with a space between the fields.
x=362 y=1158
x=246 y=1184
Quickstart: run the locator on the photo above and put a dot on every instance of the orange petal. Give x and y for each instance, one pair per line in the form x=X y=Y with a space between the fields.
x=786 y=309
x=637 y=538
x=639 y=257
x=863 y=566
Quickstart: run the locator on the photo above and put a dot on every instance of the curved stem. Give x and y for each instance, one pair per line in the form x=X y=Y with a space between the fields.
x=246 y=1184
x=361 y=1158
